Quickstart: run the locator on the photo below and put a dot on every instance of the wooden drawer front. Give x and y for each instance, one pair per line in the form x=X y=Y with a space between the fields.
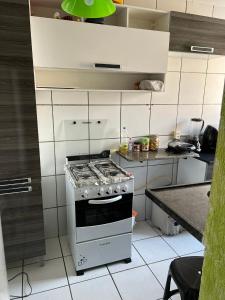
x=22 y=223
x=187 y=30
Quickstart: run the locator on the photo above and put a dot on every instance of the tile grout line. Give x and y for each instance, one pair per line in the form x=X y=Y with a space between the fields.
x=89 y=128
x=204 y=92
x=65 y=269
x=114 y=283
x=147 y=266
x=170 y=246
x=179 y=92
x=53 y=126
x=121 y=107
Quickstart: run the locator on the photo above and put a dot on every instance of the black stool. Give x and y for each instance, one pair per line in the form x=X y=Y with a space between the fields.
x=186 y=272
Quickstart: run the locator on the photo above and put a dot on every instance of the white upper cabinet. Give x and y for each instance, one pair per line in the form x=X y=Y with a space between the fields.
x=76 y=45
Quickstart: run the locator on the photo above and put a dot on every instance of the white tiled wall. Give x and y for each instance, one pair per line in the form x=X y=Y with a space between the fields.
x=194 y=88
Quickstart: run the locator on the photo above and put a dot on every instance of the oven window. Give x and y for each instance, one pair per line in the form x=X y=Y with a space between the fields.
x=99 y=214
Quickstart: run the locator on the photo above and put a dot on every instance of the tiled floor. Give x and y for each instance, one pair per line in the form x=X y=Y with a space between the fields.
x=143 y=279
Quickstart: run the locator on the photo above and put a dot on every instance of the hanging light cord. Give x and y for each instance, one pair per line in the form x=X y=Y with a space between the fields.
x=12 y=297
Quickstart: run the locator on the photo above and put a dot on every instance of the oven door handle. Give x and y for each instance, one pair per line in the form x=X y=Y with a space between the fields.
x=107 y=201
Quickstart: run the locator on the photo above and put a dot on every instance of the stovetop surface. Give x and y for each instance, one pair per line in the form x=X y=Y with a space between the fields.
x=97 y=173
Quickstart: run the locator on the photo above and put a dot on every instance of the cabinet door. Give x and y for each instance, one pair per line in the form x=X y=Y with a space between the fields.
x=191 y=171
x=159 y=176
x=21 y=208
x=187 y=30
x=140 y=174
x=76 y=45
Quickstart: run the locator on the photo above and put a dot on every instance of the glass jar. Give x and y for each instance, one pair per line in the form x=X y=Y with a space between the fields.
x=136 y=147
x=154 y=143
x=145 y=147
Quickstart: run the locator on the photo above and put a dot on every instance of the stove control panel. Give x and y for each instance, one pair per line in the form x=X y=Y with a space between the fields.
x=101 y=191
x=85 y=194
x=105 y=190
x=117 y=189
x=109 y=190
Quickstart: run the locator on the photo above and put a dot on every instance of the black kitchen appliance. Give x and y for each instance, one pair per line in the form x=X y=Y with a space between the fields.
x=176 y=146
x=209 y=139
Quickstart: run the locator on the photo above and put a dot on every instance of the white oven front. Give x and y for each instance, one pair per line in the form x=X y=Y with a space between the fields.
x=103 y=217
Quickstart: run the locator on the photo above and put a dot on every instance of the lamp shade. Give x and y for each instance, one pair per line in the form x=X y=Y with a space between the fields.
x=89 y=8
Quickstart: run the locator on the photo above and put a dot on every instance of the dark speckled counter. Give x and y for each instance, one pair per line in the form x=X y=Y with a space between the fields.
x=155 y=155
x=188 y=205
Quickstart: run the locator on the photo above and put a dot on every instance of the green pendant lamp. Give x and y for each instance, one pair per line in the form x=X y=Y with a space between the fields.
x=89 y=8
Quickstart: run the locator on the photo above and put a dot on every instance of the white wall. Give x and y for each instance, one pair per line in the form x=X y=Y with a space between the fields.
x=194 y=88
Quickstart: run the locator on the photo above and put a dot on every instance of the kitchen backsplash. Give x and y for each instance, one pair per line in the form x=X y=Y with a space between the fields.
x=194 y=88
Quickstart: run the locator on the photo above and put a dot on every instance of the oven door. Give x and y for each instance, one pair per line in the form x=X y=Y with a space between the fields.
x=103 y=217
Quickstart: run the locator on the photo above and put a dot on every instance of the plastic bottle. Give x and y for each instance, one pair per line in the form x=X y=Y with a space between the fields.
x=124 y=140
x=130 y=145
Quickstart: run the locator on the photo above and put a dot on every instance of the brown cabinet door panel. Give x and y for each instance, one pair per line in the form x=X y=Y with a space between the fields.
x=21 y=208
x=188 y=30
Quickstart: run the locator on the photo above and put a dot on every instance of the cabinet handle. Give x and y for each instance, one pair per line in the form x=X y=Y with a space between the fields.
x=200 y=49
x=19 y=190
x=107 y=66
x=14 y=182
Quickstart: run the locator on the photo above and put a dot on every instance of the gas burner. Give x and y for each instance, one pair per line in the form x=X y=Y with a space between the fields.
x=84 y=175
x=111 y=172
x=98 y=173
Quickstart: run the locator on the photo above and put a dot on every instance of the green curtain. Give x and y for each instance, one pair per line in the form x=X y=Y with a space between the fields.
x=213 y=278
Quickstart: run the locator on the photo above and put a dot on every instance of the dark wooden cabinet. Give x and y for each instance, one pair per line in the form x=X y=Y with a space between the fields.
x=20 y=178
x=202 y=33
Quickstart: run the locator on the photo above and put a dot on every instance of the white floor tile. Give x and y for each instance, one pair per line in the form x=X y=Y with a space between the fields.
x=53 y=250
x=99 y=288
x=50 y=223
x=50 y=276
x=89 y=274
x=199 y=253
x=154 y=249
x=142 y=230
x=137 y=261
x=184 y=243
x=15 y=286
x=65 y=245
x=57 y=294
x=138 y=284
x=160 y=270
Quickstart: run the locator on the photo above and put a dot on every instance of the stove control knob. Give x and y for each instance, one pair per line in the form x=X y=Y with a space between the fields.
x=109 y=191
x=125 y=188
x=101 y=191
x=117 y=189
x=85 y=194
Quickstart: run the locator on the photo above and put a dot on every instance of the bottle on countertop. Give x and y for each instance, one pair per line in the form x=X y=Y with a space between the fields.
x=124 y=140
x=130 y=145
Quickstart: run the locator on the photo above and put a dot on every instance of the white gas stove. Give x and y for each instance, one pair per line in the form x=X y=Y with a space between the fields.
x=99 y=211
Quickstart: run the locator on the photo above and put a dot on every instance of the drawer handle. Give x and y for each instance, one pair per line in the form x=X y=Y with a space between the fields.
x=199 y=49
x=107 y=66
x=15 y=190
x=14 y=182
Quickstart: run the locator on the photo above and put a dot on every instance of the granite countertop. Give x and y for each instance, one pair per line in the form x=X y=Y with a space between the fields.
x=155 y=155
x=209 y=158
x=188 y=205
